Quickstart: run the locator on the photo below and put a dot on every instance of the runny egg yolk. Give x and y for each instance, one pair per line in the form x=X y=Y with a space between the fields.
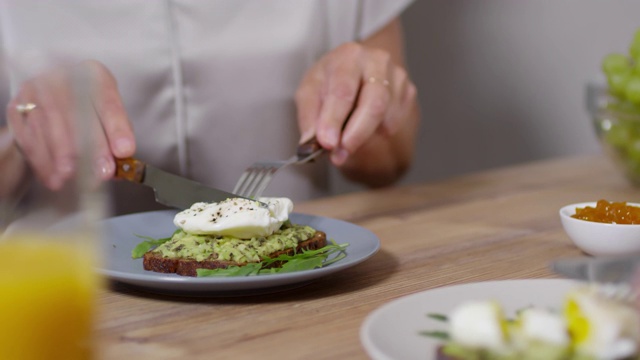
x=601 y=327
x=577 y=323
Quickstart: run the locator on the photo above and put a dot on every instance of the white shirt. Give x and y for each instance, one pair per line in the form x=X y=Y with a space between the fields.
x=208 y=85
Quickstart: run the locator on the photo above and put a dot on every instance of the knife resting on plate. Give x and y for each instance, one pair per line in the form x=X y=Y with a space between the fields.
x=169 y=189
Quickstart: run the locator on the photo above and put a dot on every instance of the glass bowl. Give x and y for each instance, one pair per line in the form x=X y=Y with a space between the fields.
x=617 y=125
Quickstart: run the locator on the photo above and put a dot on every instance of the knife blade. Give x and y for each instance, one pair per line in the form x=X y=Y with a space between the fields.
x=169 y=189
x=602 y=270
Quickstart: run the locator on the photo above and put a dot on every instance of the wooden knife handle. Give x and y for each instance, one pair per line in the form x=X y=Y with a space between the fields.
x=130 y=169
x=308 y=147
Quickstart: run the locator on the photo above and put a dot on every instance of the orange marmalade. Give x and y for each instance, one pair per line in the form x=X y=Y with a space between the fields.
x=609 y=212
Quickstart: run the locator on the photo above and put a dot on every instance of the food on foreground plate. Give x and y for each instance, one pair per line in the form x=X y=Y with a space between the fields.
x=237 y=237
x=590 y=327
x=609 y=212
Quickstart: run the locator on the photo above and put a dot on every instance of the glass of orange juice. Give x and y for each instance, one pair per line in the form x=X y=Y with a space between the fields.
x=48 y=255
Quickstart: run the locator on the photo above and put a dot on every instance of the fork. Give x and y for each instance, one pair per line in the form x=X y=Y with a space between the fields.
x=256 y=177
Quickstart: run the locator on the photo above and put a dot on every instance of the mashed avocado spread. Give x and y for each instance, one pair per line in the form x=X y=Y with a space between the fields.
x=202 y=247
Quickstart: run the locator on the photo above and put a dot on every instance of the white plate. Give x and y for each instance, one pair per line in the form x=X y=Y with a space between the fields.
x=120 y=239
x=393 y=330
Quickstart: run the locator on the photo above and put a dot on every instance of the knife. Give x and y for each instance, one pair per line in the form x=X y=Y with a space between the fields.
x=169 y=189
x=602 y=270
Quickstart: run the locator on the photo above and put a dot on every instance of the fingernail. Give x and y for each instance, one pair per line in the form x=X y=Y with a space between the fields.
x=104 y=168
x=308 y=134
x=124 y=146
x=339 y=156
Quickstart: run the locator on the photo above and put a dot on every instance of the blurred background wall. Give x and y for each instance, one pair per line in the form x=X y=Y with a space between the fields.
x=502 y=81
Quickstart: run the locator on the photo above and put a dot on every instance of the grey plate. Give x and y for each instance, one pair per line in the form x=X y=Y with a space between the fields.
x=120 y=238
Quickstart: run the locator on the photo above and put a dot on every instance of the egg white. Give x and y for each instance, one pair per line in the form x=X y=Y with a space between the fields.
x=237 y=217
x=479 y=324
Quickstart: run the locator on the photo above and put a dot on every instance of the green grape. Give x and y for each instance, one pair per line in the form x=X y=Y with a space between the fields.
x=634 y=49
x=616 y=64
x=618 y=83
x=632 y=90
x=633 y=159
x=633 y=150
x=618 y=135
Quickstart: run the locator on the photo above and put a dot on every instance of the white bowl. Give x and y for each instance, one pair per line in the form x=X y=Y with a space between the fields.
x=600 y=239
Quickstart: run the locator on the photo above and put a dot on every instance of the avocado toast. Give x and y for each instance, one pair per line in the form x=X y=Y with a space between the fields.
x=185 y=253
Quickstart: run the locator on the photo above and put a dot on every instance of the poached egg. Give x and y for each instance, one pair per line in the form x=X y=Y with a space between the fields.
x=479 y=324
x=237 y=217
x=602 y=327
x=591 y=326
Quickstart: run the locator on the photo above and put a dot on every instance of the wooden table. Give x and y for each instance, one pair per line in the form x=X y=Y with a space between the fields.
x=499 y=224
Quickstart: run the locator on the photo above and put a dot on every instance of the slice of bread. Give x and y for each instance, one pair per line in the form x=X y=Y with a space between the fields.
x=154 y=261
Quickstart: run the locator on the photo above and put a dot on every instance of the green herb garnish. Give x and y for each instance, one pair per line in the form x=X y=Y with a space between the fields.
x=148 y=244
x=437 y=334
x=305 y=260
x=438 y=317
x=441 y=335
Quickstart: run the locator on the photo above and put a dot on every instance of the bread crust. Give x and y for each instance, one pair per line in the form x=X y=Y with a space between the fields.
x=187 y=267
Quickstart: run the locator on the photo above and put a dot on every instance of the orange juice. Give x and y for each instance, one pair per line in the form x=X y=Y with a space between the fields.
x=47 y=300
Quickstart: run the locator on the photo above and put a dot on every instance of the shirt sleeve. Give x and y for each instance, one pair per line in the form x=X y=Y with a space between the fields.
x=375 y=14
x=355 y=20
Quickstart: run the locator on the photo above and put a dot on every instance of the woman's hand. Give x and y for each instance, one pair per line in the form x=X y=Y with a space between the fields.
x=45 y=134
x=360 y=104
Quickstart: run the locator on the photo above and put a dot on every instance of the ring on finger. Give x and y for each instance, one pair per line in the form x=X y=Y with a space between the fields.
x=373 y=79
x=25 y=108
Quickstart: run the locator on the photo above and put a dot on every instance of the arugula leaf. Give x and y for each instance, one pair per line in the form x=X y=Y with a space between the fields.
x=305 y=260
x=249 y=269
x=147 y=245
x=302 y=264
x=442 y=335
x=323 y=252
x=438 y=317
x=438 y=334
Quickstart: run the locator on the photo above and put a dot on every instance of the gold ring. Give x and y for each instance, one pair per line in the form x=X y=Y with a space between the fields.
x=372 y=80
x=25 y=108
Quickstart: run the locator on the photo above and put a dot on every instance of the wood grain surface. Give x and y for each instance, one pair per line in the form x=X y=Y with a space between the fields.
x=498 y=224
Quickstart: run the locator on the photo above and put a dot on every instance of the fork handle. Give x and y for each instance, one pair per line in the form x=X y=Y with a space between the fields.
x=308 y=147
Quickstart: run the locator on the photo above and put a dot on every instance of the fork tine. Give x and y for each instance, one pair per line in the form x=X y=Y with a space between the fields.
x=252 y=173
x=249 y=183
x=259 y=182
x=266 y=179
x=257 y=177
x=254 y=177
x=241 y=181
